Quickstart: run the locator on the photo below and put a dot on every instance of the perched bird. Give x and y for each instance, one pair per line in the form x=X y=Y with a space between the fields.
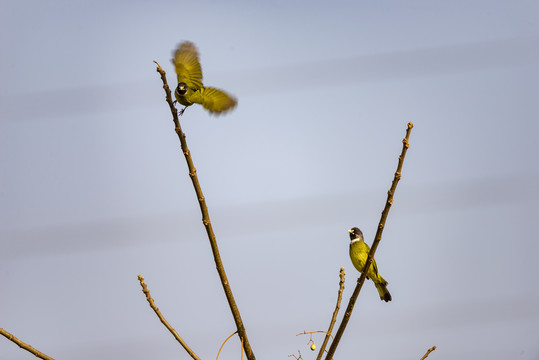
x=359 y=251
x=190 y=89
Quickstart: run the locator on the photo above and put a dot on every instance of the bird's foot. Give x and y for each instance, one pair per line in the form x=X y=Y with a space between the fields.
x=180 y=113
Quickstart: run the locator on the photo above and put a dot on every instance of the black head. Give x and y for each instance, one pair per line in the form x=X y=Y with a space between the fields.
x=355 y=233
x=181 y=89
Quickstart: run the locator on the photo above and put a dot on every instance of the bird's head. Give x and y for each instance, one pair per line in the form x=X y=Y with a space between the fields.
x=181 y=89
x=355 y=234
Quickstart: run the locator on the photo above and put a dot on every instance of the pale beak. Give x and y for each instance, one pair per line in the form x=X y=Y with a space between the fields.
x=350 y=231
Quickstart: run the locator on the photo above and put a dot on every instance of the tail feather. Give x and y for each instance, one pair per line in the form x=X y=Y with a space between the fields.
x=382 y=291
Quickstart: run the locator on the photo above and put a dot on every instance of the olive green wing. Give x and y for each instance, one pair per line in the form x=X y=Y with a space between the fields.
x=374 y=268
x=214 y=100
x=187 y=65
x=372 y=272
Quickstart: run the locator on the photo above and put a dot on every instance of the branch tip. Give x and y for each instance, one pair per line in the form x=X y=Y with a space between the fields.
x=428 y=352
x=206 y=219
x=163 y=320
x=377 y=239
x=24 y=346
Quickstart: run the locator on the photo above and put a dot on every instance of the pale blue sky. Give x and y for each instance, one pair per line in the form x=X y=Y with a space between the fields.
x=94 y=189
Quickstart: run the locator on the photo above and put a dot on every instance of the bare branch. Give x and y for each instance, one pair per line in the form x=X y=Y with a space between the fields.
x=296 y=357
x=206 y=220
x=241 y=349
x=377 y=239
x=428 y=352
x=224 y=342
x=334 y=317
x=163 y=320
x=25 y=346
x=310 y=333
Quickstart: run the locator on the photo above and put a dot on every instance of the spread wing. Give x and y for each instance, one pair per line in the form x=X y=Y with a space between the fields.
x=217 y=101
x=187 y=65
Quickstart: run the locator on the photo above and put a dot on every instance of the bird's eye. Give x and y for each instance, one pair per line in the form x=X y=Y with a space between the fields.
x=181 y=89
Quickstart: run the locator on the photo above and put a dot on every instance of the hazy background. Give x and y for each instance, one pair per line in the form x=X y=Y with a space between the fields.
x=94 y=189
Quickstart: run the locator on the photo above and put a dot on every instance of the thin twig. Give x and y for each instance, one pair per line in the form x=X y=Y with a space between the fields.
x=25 y=346
x=334 y=317
x=377 y=239
x=314 y=332
x=206 y=220
x=428 y=352
x=163 y=320
x=223 y=344
x=296 y=357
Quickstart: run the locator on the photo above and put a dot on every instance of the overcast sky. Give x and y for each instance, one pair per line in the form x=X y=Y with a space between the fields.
x=94 y=189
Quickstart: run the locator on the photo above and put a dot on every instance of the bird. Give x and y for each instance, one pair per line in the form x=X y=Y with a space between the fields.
x=190 y=89
x=359 y=251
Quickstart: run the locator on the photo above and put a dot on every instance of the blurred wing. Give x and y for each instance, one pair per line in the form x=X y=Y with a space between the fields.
x=215 y=100
x=187 y=65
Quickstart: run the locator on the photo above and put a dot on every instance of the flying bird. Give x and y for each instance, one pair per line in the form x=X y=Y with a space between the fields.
x=359 y=251
x=190 y=89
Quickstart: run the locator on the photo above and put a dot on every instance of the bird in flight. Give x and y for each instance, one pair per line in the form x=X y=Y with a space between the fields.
x=190 y=89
